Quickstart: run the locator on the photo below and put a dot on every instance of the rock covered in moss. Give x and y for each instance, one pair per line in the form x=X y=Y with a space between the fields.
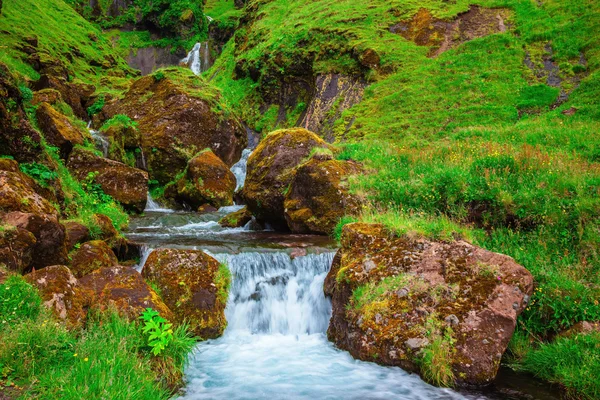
x=123 y=139
x=62 y=293
x=127 y=185
x=16 y=248
x=91 y=256
x=125 y=289
x=76 y=95
x=105 y=229
x=398 y=299
x=77 y=233
x=18 y=192
x=177 y=117
x=319 y=196
x=194 y=285
x=206 y=180
x=58 y=129
x=50 y=245
x=271 y=169
x=236 y=219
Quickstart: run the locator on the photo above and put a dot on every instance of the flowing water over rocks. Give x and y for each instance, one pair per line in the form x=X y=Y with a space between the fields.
x=198 y=59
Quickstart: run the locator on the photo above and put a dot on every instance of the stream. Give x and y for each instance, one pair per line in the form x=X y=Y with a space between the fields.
x=275 y=345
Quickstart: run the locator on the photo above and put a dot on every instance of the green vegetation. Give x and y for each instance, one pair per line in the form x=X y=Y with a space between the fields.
x=159 y=331
x=437 y=355
x=119 y=121
x=39 y=358
x=39 y=172
x=223 y=282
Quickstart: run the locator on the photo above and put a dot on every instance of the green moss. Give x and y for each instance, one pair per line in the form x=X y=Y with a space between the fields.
x=223 y=282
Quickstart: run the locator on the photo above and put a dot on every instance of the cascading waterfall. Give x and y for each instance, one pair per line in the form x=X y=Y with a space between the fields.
x=153 y=206
x=198 y=59
x=99 y=139
x=275 y=345
x=144 y=254
x=239 y=169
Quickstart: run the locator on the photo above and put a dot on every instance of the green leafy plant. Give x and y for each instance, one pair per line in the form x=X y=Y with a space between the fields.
x=97 y=106
x=159 y=76
x=26 y=93
x=159 y=331
x=119 y=120
x=39 y=172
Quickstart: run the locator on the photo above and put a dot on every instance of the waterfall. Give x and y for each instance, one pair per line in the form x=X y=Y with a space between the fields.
x=198 y=60
x=144 y=254
x=99 y=139
x=153 y=206
x=272 y=293
x=239 y=169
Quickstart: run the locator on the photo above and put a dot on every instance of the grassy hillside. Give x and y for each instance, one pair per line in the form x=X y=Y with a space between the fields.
x=497 y=134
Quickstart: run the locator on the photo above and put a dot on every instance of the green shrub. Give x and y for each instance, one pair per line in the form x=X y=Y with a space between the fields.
x=119 y=120
x=97 y=107
x=26 y=93
x=18 y=300
x=39 y=172
x=158 y=331
x=159 y=76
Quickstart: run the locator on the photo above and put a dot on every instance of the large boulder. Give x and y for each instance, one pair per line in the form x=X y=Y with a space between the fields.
x=319 y=196
x=194 y=285
x=206 y=180
x=441 y=309
x=16 y=248
x=125 y=289
x=123 y=139
x=76 y=95
x=91 y=256
x=177 y=118
x=58 y=129
x=236 y=219
x=271 y=169
x=127 y=185
x=50 y=244
x=62 y=293
x=18 y=192
x=77 y=233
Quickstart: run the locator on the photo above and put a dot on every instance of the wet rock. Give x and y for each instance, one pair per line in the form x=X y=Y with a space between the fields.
x=125 y=289
x=127 y=185
x=318 y=196
x=62 y=294
x=77 y=233
x=177 y=119
x=58 y=129
x=122 y=139
x=206 y=180
x=50 y=245
x=237 y=219
x=271 y=169
x=193 y=285
x=16 y=248
x=91 y=256
x=456 y=290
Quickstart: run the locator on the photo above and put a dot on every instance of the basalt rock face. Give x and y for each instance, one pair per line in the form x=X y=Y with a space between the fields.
x=58 y=129
x=318 y=196
x=206 y=180
x=127 y=185
x=193 y=285
x=176 y=122
x=17 y=137
x=125 y=289
x=62 y=293
x=91 y=256
x=271 y=169
x=395 y=296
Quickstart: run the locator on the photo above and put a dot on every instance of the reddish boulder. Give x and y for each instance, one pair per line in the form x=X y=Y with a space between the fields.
x=177 y=118
x=58 y=129
x=127 y=185
x=50 y=246
x=77 y=233
x=49 y=96
x=194 y=285
x=16 y=248
x=107 y=230
x=319 y=196
x=76 y=95
x=125 y=289
x=271 y=169
x=396 y=299
x=18 y=193
x=206 y=180
x=92 y=256
x=61 y=293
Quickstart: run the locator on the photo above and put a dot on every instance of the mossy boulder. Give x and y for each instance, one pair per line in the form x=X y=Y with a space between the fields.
x=75 y=94
x=62 y=294
x=319 y=196
x=58 y=129
x=236 y=219
x=77 y=233
x=105 y=229
x=399 y=300
x=16 y=248
x=18 y=192
x=49 y=96
x=179 y=115
x=271 y=169
x=91 y=256
x=206 y=180
x=127 y=185
x=124 y=289
x=194 y=285
x=50 y=245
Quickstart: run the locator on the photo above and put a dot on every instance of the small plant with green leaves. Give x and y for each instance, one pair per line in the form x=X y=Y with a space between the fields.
x=158 y=330
x=39 y=172
x=97 y=107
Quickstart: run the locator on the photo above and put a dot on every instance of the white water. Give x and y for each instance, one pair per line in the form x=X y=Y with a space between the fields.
x=275 y=345
x=153 y=206
x=144 y=254
x=239 y=169
x=198 y=59
x=99 y=139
